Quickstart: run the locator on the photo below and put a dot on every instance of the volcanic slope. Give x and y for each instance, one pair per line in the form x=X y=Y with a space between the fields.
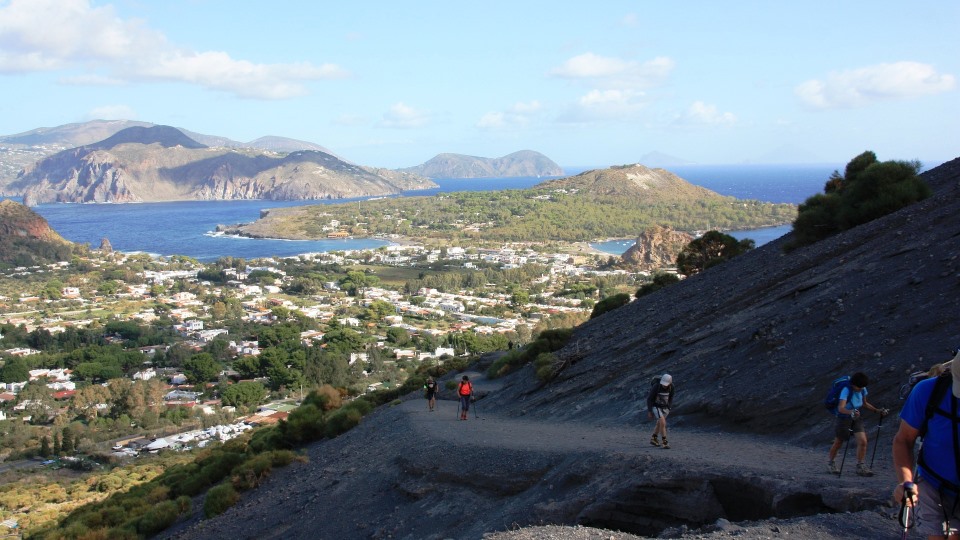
x=752 y=344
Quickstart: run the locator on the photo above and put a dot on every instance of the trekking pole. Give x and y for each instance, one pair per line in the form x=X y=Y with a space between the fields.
x=475 y=415
x=845 y=448
x=876 y=441
x=909 y=491
x=458 y=409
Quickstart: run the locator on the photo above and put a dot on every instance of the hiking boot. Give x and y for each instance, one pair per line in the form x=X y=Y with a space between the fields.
x=654 y=441
x=665 y=443
x=863 y=470
x=832 y=467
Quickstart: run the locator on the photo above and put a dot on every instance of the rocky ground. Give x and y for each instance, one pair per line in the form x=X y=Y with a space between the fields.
x=753 y=345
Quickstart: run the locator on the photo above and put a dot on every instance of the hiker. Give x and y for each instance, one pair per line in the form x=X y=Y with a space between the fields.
x=431 y=392
x=853 y=397
x=935 y=490
x=658 y=406
x=466 y=392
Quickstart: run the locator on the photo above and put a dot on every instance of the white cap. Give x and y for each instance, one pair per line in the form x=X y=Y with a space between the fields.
x=667 y=380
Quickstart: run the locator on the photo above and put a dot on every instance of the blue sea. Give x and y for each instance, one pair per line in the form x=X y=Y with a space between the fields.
x=187 y=228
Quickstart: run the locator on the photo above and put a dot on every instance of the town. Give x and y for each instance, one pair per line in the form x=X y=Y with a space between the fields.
x=239 y=343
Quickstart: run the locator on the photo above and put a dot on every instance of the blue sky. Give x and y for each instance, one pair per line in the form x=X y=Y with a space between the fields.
x=589 y=84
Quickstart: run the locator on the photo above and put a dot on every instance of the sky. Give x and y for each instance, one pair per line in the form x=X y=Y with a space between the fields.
x=588 y=84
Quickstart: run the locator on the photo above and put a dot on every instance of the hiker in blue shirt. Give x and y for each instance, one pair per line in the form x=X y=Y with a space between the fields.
x=935 y=490
x=850 y=421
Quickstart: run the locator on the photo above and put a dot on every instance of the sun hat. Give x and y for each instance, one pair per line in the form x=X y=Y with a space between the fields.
x=667 y=380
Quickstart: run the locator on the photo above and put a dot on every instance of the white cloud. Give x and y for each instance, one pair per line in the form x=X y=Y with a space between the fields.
x=862 y=86
x=520 y=114
x=703 y=113
x=45 y=35
x=605 y=105
x=403 y=116
x=112 y=112
x=606 y=72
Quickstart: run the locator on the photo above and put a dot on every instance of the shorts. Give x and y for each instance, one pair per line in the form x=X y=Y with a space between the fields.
x=659 y=412
x=930 y=518
x=846 y=425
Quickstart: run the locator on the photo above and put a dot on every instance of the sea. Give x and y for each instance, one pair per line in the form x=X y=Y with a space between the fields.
x=189 y=227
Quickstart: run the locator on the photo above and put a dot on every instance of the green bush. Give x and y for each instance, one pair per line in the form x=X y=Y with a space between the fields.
x=219 y=499
x=548 y=341
x=544 y=366
x=159 y=517
x=305 y=424
x=867 y=190
x=184 y=504
x=249 y=474
x=342 y=421
x=266 y=439
x=660 y=280
x=610 y=303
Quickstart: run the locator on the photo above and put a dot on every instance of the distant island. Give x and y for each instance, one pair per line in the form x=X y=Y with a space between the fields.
x=617 y=202
x=522 y=163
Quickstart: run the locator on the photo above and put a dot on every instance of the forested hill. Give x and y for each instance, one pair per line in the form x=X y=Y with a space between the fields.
x=522 y=163
x=632 y=181
x=609 y=203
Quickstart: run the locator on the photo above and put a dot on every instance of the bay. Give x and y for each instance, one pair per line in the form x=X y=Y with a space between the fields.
x=188 y=227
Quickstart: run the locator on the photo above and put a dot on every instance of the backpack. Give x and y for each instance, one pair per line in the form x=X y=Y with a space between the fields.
x=468 y=386
x=833 y=395
x=941 y=387
x=916 y=377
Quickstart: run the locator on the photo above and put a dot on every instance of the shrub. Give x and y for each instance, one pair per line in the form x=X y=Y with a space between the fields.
x=184 y=504
x=544 y=366
x=219 y=498
x=610 y=303
x=342 y=421
x=158 y=518
x=660 y=280
x=252 y=472
x=266 y=439
x=305 y=424
x=548 y=341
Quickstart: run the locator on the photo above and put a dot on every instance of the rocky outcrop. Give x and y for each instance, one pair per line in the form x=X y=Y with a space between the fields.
x=523 y=163
x=655 y=248
x=26 y=238
x=105 y=245
x=162 y=164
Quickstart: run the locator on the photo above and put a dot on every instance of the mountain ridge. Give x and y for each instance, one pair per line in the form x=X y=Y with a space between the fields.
x=161 y=163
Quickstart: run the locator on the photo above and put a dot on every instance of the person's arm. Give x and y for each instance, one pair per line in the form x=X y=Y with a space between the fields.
x=903 y=444
x=842 y=408
x=870 y=407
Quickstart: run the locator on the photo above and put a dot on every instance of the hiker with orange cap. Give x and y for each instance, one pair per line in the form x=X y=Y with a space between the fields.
x=658 y=406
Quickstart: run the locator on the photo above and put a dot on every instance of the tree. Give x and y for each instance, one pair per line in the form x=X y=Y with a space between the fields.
x=243 y=394
x=867 y=190
x=398 y=336
x=711 y=249
x=14 y=370
x=201 y=368
x=57 y=447
x=660 y=280
x=67 y=446
x=45 y=447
